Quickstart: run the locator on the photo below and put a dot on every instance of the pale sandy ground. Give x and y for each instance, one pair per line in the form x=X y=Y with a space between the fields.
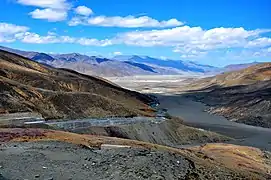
x=193 y=113
x=154 y=83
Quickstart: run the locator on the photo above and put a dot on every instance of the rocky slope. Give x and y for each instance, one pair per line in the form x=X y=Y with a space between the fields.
x=58 y=93
x=171 y=133
x=236 y=67
x=243 y=96
x=42 y=154
x=250 y=75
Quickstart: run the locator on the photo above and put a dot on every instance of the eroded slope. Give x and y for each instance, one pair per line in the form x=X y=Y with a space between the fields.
x=242 y=96
x=57 y=93
x=211 y=161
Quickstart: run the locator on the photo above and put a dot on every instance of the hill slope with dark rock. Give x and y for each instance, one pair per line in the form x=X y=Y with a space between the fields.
x=58 y=93
x=243 y=96
x=42 y=154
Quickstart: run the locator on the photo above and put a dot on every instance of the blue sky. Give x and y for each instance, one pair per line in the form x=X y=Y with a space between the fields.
x=215 y=32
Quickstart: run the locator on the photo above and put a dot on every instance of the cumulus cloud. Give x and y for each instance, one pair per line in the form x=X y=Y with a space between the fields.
x=11 y=33
x=6 y=28
x=194 y=36
x=189 y=42
x=260 y=42
x=127 y=21
x=53 y=4
x=33 y=38
x=117 y=53
x=54 y=10
x=83 y=10
x=49 y=14
x=195 y=41
x=76 y=21
x=7 y=31
x=94 y=42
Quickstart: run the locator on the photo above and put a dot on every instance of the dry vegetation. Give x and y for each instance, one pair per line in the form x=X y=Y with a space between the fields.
x=236 y=157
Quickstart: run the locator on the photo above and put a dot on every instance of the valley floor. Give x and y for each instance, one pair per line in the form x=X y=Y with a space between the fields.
x=154 y=83
x=194 y=114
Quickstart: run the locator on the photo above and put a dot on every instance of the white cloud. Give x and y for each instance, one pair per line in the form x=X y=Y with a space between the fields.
x=192 y=36
x=94 y=42
x=260 y=42
x=51 y=38
x=117 y=53
x=54 y=10
x=12 y=32
x=247 y=54
x=7 y=31
x=53 y=4
x=194 y=41
x=49 y=14
x=76 y=21
x=128 y=22
x=189 y=42
x=6 y=28
x=83 y=10
x=34 y=38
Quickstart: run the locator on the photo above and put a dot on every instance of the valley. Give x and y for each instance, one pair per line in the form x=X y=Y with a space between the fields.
x=60 y=115
x=135 y=90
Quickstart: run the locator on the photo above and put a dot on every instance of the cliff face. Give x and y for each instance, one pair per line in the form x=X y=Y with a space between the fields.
x=28 y=86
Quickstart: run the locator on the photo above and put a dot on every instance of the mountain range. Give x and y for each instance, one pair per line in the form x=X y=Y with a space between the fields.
x=122 y=65
x=29 y=86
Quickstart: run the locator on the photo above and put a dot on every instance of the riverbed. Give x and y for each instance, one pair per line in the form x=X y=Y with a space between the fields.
x=194 y=114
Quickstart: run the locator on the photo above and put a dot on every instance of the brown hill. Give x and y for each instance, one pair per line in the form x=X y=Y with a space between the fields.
x=250 y=75
x=243 y=96
x=209 y=161
x=58 y=93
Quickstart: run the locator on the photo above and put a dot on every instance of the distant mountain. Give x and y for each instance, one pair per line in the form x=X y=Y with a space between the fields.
x=141 y=66
x=99 y=66
x=43 y=58
x=121 y=65
x=186 y=66
x=28 y=86
x=235 y=67
x=28 y=54
x=91 y=65
x=250 y=75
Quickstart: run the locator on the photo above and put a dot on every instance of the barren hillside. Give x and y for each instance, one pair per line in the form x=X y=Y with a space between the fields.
x=243 y=96
x=57 y=93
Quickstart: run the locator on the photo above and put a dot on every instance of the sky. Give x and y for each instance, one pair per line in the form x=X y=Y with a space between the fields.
x=214 y=32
